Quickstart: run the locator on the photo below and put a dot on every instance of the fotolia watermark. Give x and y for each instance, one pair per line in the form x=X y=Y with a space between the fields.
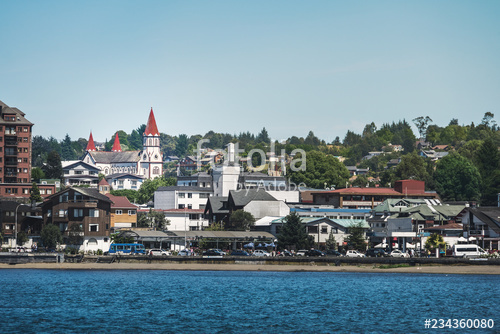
x=233 y=156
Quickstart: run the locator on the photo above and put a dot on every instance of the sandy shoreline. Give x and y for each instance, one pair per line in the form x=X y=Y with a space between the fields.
x=435 y=269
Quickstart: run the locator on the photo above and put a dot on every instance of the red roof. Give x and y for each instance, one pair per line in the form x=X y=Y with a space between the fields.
x=116 y=144
x=151 y=129
x=120 y=202
x=360 y=191
x=103 y=182
x=90 y=144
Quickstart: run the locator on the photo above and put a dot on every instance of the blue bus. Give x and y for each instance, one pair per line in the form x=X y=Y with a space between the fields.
x=127 y=249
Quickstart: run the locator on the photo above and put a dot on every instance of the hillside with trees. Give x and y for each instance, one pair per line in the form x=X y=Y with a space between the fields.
x=471 y=171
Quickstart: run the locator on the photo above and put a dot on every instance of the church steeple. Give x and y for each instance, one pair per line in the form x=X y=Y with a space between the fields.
x=116 y=144
x=90 y=144
x=151 y=129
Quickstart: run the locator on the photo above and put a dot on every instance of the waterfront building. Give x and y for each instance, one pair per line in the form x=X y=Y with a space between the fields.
x=15 y=155
x=368 y=198
x=85 y=207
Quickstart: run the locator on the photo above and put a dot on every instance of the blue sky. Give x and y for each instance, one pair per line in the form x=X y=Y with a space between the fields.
x=234 y=66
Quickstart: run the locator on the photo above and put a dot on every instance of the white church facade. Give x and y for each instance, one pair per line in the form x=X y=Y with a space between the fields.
x=116 y=164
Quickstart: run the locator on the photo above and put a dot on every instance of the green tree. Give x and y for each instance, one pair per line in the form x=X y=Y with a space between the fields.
x=356 y=239
x=488 y=163
x=421 y=123
x=37 y=174
x=331 y=243
x=117 y=239
x=434 y=241
x=51 y=236
x=240 y=220
x=35 y=194
x=53 y=167
x=181 y=148
x=67 y=151
x=457 y=179
x=320 y=169
x=263 y=137
x=22 y=238
x=293 y=234
x=412 y=166
x=153 y=219
x=148 y=188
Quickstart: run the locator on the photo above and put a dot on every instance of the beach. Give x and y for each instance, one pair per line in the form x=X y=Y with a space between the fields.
x=427 y=269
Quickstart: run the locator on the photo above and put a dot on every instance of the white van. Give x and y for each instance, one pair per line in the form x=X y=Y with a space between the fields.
x=468 y=251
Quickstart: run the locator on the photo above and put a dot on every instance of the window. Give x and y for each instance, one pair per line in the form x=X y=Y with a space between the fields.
x=204 y=195
x=182 y=195
x=25 y=129
x=181 y=206
x=94 y=227
x=119 y=212
x=190 y=206
x=78 y=213
x=324 y=230
x=49 y=213
x=131 y=212
x=42 y=191
x=26 y=191
x=94 y=213
x=190 y=195
x=49 y=191
x=62 y=213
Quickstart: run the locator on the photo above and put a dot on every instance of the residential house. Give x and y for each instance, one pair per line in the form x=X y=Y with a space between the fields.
x=317 y=227
x=78 y=173
x=368 y=198
x=482 y=226
x=17 y=217
x=122 y=181
x=123 y=213
x=180 y=197
x=84 y=207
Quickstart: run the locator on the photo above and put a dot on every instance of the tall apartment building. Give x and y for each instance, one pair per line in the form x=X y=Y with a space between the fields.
x=15 y=155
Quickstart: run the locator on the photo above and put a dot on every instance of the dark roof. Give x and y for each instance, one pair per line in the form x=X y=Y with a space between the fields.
x=123 y=175
x=20 y=120
x=82 y=163
x=12 y=205
x=216 y=204
x=92 y=192
x=244 y=196
x=115 y=157
x=489 y=215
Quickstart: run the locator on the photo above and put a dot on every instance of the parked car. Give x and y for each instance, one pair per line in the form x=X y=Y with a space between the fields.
x=159 y=252
x=301 y=252
x=213 y=253
x=220 y=251
x=185 y=252
x=285 y=253
x=398 y=253
x=314 y=252
x=261 y=252
x=354 y=253
x=239 y=253
x=376 y=252
x=333 y=252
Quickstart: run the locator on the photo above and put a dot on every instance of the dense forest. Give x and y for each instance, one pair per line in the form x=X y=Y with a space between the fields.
x=471 y=170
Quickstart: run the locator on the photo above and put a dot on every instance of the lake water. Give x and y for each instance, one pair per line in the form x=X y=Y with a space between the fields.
x=132 y=301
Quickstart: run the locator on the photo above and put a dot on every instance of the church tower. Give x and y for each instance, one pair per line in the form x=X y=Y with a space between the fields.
x=152 y=158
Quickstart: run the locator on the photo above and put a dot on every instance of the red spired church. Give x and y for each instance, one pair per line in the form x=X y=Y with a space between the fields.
x=146 y=164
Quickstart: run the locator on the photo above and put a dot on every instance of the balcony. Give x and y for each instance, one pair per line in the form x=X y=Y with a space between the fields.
x=83 y=204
